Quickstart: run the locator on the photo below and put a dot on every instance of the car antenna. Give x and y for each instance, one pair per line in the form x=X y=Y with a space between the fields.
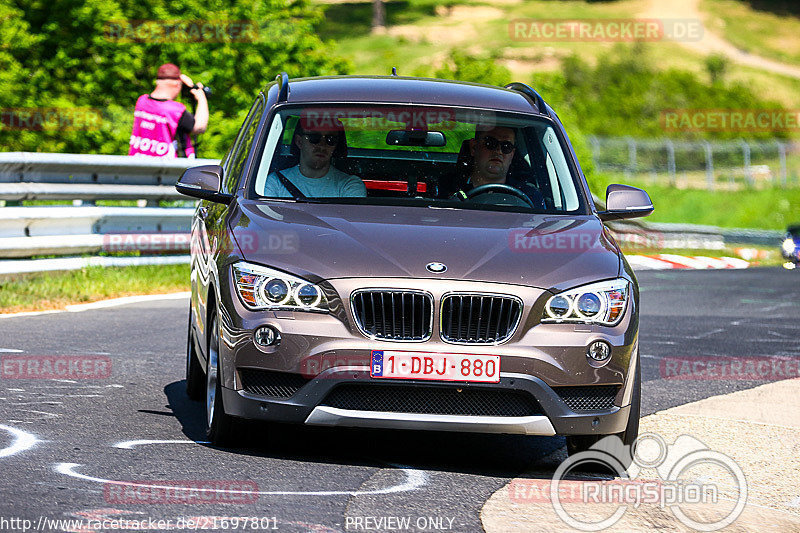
x=394 y=71
x=283 y=86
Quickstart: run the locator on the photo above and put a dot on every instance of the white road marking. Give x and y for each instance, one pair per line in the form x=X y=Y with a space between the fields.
x=10 y=350
x=102 y=304
x=48 y=417
x=129 y=444
x=22 y=441
x=706 y=334
x=415 y=479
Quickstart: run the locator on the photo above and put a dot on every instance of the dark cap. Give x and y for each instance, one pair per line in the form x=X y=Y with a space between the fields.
x=168 y=71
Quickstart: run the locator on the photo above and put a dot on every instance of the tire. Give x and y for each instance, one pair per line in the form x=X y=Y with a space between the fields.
x=195 y=377
x=581 y=443
x=219 y=425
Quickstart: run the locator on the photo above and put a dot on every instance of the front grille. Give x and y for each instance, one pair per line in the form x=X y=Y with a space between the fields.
x=268 y=383
x=479 y=318
x=396 y=315
x=589 y=398
x=433 y=400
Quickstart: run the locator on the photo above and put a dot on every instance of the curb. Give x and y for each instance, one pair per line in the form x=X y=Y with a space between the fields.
x=671 y=261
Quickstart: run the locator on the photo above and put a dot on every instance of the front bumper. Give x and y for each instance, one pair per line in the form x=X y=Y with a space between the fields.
x=306 y=406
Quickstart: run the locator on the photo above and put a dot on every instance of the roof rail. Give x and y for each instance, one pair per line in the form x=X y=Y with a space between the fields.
x=283 y=86
x=531 y=93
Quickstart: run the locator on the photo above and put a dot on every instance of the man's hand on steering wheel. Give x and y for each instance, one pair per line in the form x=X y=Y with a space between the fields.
x=499 y=187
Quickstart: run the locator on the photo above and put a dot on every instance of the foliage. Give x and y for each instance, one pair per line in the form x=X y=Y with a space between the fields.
x=465 y=67
x=626 y=95
x=717 y=66
x=72 y=54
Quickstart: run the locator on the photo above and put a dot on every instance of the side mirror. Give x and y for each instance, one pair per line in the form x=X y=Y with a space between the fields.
x=203 y=182
x=624 y=201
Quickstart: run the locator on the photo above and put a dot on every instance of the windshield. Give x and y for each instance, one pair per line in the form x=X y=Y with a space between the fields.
x=417 y=155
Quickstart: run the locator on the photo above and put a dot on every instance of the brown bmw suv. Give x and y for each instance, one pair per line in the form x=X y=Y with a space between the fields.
x=395 y=252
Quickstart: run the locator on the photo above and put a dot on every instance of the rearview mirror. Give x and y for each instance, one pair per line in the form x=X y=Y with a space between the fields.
x=624 y=201
x=415 y=138
x=203 y=182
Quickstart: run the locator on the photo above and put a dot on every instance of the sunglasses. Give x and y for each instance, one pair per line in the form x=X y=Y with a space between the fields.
x=315 y=138
x=505 y=146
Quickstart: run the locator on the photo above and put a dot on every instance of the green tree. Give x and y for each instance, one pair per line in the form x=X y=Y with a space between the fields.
x=103 y=54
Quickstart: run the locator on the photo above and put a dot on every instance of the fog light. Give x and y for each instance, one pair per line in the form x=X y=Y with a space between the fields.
x=267 y=336
x=598 y=351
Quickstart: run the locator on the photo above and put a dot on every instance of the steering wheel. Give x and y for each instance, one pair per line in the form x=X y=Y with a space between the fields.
x=501 y=187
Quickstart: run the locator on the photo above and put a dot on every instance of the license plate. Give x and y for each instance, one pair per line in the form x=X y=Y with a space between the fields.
x=435 y=366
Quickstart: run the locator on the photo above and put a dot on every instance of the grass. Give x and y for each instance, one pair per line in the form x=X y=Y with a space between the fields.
x=421 y=32
x=773 y=208
x=55 y=290
x=772 y=31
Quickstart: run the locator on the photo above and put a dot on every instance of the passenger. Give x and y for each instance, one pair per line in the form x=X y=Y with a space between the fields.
x=314 y=176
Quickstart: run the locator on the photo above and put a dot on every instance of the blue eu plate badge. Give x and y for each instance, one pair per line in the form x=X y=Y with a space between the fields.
x=377 y=363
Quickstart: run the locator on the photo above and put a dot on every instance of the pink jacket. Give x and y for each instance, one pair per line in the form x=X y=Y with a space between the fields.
x=155 y=128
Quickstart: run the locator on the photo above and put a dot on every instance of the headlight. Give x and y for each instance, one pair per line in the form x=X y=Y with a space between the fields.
x=598 y=303
x=260 y=287
x=788 y=246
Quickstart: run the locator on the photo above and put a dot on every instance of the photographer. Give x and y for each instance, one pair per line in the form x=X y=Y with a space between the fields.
x=161 y=126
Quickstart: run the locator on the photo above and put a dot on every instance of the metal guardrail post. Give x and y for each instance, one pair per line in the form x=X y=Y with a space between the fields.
x=782 y=156
x=748 y=173
x=671 y=161
x=632 y=164
x=709 y=166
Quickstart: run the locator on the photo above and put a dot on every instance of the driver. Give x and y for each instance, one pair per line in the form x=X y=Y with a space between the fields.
x=492 y=152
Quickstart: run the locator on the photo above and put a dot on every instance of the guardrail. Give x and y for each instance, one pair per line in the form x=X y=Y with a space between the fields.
x=27 y=232
x=33 y=231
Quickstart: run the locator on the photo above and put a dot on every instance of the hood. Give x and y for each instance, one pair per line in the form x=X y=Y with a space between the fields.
x=327 y=241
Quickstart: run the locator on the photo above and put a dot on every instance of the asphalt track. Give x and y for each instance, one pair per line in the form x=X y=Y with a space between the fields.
x=312 y=479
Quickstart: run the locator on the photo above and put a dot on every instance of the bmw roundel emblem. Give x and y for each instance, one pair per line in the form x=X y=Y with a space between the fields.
x=436 y=268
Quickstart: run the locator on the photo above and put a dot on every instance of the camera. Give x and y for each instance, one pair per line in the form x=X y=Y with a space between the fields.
x=188 y=95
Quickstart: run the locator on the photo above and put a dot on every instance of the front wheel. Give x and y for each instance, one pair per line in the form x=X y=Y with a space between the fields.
x=195 y=379
x=219 y=425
